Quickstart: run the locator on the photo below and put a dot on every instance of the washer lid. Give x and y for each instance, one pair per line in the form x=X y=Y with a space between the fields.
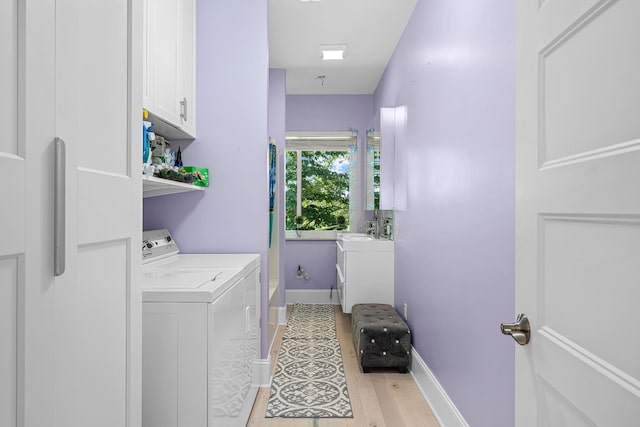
x=186 y=285
x=210 y=261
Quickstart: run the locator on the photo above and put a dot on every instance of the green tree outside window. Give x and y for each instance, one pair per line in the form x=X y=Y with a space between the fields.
x=324 y=201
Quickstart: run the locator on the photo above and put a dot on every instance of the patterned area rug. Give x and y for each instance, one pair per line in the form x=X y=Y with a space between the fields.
x=309 y=380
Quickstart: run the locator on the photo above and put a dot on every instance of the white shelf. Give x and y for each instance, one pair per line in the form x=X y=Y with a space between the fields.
x=152 y=186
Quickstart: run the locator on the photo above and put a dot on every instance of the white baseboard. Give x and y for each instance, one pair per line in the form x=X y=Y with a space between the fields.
x=443 y=408
x=312 y=296
x=282 y=315
x=263 y=372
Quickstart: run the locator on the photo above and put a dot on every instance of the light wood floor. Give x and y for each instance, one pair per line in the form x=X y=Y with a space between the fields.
x=379 y=399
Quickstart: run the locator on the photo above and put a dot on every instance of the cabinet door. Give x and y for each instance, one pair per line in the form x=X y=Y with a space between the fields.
x=97 y=305
x=69 y=349
x=188 y=67
x=147 y=54
x=368 y=278
x=166 y=38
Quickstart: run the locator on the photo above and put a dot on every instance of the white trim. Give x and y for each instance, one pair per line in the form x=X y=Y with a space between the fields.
x=318 y=135
x=282 y=316
x=311 y=296
x=263 y=372
x=443 y=408
x=311 y=234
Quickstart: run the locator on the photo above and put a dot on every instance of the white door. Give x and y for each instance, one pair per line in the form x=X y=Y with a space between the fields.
x=578 y=212
x=12 y=214
x=98 y=115
x=70 y=345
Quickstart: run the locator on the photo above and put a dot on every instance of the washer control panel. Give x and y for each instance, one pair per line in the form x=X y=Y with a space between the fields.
x=158 y=244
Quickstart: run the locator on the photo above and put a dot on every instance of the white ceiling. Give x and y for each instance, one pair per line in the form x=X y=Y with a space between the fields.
x=371 y=30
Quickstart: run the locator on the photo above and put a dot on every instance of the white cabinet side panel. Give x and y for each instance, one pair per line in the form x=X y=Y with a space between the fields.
x=229 y=379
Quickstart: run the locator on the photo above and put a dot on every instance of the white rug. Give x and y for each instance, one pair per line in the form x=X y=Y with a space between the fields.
x=309 y=380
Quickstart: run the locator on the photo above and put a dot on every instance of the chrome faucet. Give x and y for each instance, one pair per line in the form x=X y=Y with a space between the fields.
x=373 y=229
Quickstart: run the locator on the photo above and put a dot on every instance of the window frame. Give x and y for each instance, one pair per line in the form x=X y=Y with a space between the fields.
x=317 y=141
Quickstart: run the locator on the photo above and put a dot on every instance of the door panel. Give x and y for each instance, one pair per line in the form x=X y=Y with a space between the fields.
x=9 y=284
x=102 y=113
x=9 y=76
x=572 y=67
x=105 y=211
x=578 y=212
x=601 y=393
x=587 y=263
x=166 y=44
x=101 y=338
x=12 y=165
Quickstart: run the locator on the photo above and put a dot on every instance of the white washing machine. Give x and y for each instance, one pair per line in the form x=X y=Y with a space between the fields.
x=200 y=335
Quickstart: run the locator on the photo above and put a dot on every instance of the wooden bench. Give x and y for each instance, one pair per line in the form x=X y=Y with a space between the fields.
x=381 y=338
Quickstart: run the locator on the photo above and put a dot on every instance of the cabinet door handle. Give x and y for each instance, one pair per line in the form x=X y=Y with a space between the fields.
x=59 y=206
x=183 y=108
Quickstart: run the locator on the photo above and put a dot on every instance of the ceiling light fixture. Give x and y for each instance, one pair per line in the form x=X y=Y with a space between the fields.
x=333 y=52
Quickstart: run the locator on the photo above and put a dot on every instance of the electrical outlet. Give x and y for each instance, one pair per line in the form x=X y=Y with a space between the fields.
x=405 y=311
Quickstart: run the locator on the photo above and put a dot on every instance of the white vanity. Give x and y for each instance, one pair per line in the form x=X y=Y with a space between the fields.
x=364 y=268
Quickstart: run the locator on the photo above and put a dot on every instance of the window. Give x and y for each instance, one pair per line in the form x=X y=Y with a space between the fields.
x=320 y=180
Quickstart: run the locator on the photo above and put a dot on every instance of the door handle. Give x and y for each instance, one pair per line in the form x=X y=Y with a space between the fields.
x=183 y=107
x=59 y=206
x=519 y=331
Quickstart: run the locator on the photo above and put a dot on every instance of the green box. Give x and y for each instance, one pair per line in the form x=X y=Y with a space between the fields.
x=204 y=182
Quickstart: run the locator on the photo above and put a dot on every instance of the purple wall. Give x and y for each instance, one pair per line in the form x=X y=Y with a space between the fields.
x=329 y=112
x=454 y=69
x=231 y=216
x=316 y=257
x=323 y=113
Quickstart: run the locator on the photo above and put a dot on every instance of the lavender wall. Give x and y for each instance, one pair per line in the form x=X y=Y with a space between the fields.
x=329 y=112
x=316 y=257
x=323 y=113
x=454 y=69
x=231 y=216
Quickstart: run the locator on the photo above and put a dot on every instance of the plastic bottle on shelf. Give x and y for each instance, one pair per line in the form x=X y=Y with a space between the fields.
x=179 y=158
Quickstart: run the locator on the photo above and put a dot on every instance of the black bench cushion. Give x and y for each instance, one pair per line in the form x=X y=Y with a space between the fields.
x=380 y=336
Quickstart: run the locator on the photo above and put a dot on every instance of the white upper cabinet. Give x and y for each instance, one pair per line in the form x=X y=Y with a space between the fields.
x=169 y=66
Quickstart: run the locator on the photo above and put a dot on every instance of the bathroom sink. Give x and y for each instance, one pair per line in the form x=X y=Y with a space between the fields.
x=363 y=242
x=347 y=235
x=358 y=238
